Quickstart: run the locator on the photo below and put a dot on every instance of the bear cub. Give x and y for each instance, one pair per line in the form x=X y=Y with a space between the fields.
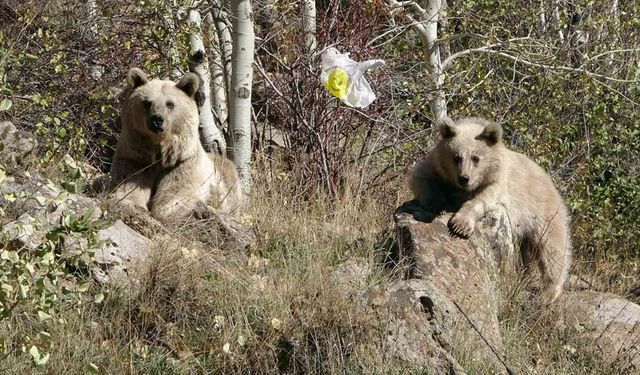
x=159 y=163
x=470 y=171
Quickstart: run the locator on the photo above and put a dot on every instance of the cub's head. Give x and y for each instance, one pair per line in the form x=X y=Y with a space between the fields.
x=160 y=108
x=468 y=153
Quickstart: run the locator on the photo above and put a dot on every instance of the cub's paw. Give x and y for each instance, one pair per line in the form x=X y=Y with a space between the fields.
x=550 y=294
x=461 y=225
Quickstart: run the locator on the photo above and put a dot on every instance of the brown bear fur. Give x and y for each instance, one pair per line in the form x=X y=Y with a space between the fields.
x=159 y=162
x=470 y=171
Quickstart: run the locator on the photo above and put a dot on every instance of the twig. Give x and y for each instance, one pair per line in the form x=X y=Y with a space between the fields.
x=509 y=370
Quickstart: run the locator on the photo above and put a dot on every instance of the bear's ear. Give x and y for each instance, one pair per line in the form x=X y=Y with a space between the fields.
x=446 y=127
x=136 y=77
x=190 y=84
x=491 y=134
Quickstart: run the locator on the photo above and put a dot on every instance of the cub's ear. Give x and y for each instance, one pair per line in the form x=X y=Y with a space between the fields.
x=491 y=134
x=446 y=127
x=190 y=84
x=136 y=78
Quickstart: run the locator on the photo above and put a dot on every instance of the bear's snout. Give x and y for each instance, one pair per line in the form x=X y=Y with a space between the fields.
x=464 y=180
x=156 y=123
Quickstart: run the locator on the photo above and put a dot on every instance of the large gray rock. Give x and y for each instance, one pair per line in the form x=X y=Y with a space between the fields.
x=123 y=255
x=416 y=323
x=605 y=321
x=17 y=148
x=460 y=272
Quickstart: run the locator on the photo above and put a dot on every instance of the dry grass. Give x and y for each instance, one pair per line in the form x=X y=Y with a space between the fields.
x=206 y=309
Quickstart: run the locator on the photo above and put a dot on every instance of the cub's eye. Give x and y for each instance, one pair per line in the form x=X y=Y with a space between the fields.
x=475 y=159
x=146 y=103
x=457 y=159
x=170 y=105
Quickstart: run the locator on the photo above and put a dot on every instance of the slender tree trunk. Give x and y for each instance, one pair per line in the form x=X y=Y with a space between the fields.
x=445 y=47
x=95 y=70
x=427 y=28
x=543 y=18
x=241 y=85
x=224 y=38
x=210 y=135
x=428 y=32
x=218 y=81
x=556 y=17
x=309 y=25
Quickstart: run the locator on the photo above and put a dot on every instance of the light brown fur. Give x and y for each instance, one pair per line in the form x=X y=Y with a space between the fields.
x=496 y=176
x=167 y=171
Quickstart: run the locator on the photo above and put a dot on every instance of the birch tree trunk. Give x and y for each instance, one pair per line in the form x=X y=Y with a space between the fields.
x=556 y=17
x=428 y=32
x=240 y=93
x=543 y=18
x=210 y=135
x=224 y=39
x=218 y=81
x=309 y=25
x=95 y=70
x=427 y=28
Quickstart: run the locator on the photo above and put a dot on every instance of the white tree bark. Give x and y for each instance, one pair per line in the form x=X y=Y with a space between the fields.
x=427 y=28
x=309 y=25
x=429 y=39
x=210 y=135
x=218 y=78
x=95 y=70
x=240 y=93
x=543 y=18
x=224 y=38
x=556 y=17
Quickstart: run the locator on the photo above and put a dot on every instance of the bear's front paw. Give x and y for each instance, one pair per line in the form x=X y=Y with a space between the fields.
x=461 y=225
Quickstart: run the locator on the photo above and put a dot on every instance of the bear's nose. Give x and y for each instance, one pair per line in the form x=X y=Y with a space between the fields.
x=155 y=123
x=464 y=180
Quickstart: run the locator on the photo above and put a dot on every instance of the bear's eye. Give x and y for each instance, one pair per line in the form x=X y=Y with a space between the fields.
x=170 y=105
x=457 y=159
x=475 y=159
x=146 y=103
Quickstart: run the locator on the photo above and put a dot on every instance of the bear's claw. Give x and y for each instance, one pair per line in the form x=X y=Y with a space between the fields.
x=461 y=226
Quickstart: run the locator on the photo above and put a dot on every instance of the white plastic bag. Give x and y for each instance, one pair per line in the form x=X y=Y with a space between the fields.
x=344 y=78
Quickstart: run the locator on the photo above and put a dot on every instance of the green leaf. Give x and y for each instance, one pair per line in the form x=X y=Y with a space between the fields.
x=98 y=298
x=24 y=289
x=5 y=104
x=43 y=316
x=41 y=200
x=93 y=368
x=38 y=359
x=10 y=256
x=43 y=360
x=35 y=353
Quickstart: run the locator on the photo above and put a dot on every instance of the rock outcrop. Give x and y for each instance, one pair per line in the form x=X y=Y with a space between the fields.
x=606 y=321
x=457 y=282
x=459 y=276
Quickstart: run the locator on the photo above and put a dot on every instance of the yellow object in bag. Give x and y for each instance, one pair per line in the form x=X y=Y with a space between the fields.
x=337 y=83
x=344 y=78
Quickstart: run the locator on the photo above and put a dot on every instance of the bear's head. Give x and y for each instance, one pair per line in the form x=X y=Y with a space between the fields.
x=159 y=108
x=468 y=153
